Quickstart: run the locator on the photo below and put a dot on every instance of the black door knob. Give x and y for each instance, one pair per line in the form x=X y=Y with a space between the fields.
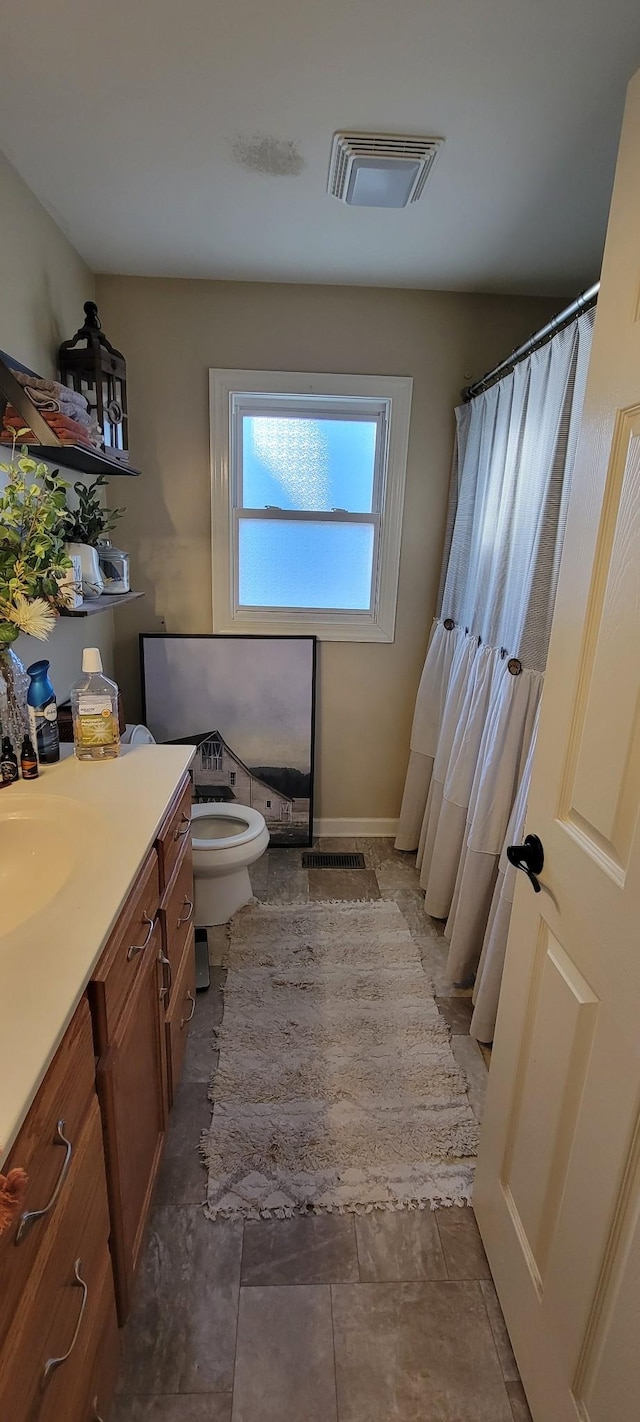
x=529 y=857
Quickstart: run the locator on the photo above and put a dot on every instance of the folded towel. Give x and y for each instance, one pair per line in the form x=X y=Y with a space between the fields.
x=69 y=430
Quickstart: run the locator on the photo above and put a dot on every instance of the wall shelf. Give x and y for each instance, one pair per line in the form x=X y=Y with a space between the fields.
x=46 y=445
x=106 y=603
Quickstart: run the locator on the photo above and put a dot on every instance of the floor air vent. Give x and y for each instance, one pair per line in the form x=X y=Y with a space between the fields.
x=323 y=859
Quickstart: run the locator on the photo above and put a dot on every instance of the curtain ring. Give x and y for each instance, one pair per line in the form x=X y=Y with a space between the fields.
x=514 y=666
x=448 y=624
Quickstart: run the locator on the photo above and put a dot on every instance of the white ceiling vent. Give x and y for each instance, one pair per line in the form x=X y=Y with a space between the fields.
x=380 y=169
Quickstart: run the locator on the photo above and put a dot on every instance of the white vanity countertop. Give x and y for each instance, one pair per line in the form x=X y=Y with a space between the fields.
x=47 y=958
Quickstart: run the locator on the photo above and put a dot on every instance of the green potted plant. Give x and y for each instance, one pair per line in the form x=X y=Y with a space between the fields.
x=33 y=566
x=88 y=525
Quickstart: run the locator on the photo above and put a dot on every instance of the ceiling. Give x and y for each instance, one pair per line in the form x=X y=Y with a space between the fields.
x=146 y=127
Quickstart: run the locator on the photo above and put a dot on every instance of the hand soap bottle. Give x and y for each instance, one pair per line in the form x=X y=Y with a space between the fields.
x=94 y=704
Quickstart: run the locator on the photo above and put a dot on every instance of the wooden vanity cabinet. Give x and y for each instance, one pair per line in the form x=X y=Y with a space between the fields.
x=91 y=1146
x=57 y=1294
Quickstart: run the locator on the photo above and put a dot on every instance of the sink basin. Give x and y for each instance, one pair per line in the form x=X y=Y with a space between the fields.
x=41 y=848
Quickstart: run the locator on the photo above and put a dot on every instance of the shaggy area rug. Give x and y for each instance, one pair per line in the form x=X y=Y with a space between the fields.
x=336 y=1088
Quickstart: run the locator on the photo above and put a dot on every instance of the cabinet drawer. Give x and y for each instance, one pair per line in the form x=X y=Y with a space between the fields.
x=176 y=914
x=181 y=1010
x=56 y=1316
x=130 y=943
x=45 y=1149
x=175 y=829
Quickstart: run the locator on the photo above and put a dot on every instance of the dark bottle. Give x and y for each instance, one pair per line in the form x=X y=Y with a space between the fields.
x=43 y=714
x=8 y=762
x=28 y=760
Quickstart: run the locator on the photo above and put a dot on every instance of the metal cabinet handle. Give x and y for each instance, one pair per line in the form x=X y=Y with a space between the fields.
x=186 y=826
x=96 y=1414
x=184 y=918
x=53 y=1363
x=31 y=1217
x=166 y=987
x=192 y=1000
x=140 y=947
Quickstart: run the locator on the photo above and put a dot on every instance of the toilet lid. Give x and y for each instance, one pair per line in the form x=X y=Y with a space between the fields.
x=217 y=825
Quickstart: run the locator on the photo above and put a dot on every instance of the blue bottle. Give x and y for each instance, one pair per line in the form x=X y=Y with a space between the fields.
x=43 y=714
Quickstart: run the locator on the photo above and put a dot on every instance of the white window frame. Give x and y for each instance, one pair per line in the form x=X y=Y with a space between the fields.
x=390 y=401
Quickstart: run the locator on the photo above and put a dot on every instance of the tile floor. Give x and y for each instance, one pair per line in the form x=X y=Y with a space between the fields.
x=374 y=1318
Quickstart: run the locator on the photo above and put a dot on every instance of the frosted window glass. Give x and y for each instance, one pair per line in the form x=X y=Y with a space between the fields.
x=297 y=463
x=319 y=565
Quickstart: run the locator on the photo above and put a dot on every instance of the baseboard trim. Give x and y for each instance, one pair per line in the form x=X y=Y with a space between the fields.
x=355 y=829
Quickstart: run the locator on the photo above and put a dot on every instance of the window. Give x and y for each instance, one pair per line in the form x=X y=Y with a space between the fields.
x=308 y=477
x=211 y=755
x=232 y=777
x=268 y=803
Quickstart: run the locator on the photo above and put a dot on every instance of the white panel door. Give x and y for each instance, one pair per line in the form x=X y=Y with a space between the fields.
x=558 y=1180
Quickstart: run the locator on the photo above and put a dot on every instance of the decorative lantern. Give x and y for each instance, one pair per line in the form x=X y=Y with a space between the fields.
x=90 y=365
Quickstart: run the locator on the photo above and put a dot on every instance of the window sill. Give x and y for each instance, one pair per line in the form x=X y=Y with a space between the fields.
x=295 y=626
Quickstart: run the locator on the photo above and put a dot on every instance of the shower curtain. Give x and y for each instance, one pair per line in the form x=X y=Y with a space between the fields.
x=476 y=710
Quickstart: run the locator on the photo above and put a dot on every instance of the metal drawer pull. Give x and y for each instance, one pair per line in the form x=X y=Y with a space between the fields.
x=186 y=826
x=96 y=1414
x=31 y=1217
x=166 y=987
x=140 y=947
x=184 y=918
x=192 y=1000
x=54 y=1363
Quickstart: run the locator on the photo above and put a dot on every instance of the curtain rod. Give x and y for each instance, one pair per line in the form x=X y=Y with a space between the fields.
x=581 y=303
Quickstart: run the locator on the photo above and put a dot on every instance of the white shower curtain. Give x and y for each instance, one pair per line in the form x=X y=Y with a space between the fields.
x=477 y=703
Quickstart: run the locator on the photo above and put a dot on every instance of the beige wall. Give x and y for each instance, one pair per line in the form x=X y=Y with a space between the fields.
x=43 y=283
x=172 y=332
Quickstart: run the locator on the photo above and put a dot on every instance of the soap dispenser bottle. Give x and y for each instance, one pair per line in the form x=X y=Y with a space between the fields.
x=94 y=704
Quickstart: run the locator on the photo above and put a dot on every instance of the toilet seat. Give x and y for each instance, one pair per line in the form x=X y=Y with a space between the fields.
x=227 y=810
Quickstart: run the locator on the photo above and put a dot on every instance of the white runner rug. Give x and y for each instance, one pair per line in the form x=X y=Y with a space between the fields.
x=337 y=1088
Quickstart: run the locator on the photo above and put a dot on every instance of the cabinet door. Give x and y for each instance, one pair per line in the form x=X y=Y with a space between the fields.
x=181 y=1010
x=131 y=1086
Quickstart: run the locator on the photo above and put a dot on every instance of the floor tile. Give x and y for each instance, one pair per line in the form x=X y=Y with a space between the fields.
x=499 y=1329
x=457 y=1012
x=182 y=1178
x=412 y=1352
x=259 y=873
x=319 y=1249
x=402 y=1246
x=200 y=1058
x=469 y=1058
x=284 y=1362
x=347 y=884
x=394 y=874
x=203 y=1407
x=181 y=1334
x=461 y=1243
x=286 y=885
x=519 y=1405
x=377 y=850
x=337 y=844
x=218 y=942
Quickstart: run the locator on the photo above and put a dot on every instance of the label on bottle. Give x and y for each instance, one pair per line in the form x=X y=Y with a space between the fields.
x=97 y=725
x=43 y=726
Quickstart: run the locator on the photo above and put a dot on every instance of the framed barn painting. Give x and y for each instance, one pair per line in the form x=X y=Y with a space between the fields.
x=247 y=704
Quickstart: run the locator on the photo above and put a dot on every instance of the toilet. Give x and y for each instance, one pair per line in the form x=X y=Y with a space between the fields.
x=226 y=839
